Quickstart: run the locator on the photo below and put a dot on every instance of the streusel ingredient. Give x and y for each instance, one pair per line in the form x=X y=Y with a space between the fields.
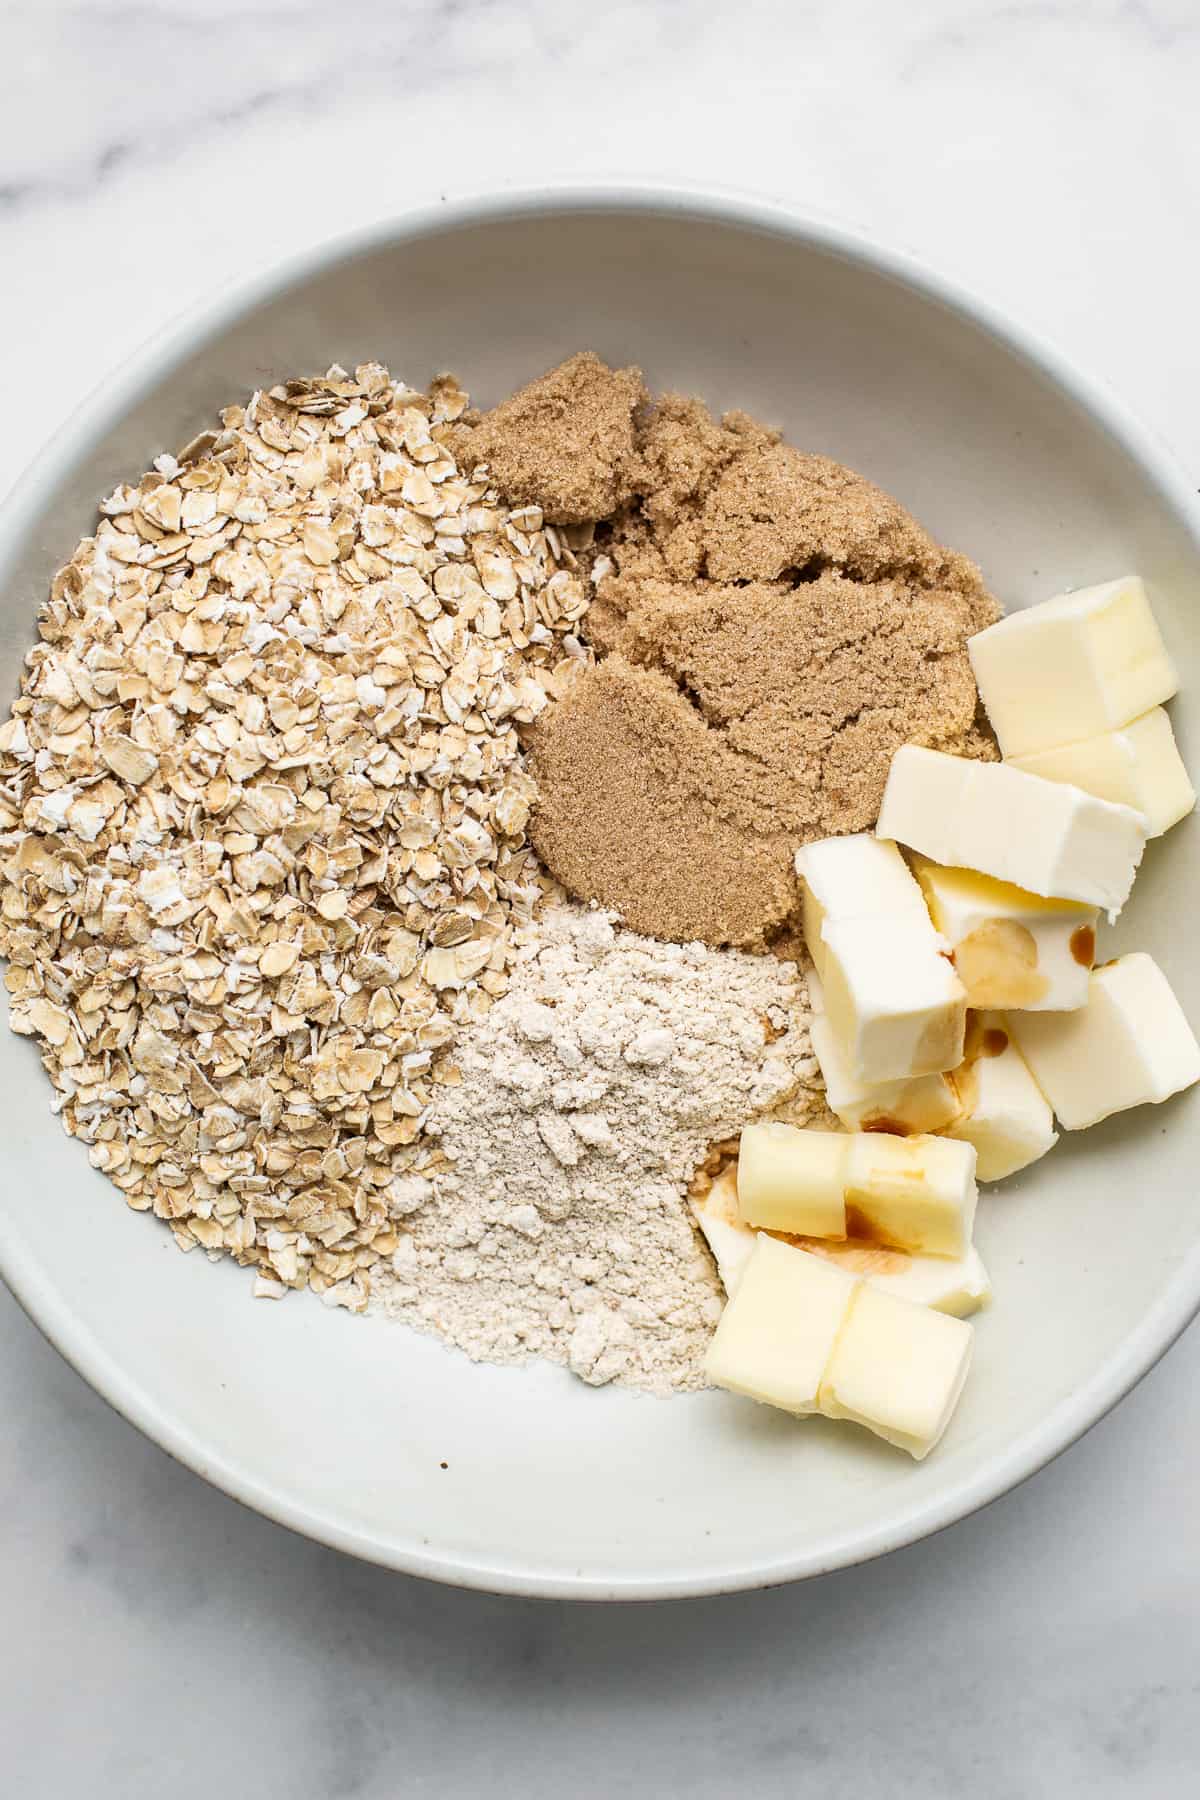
x=589 y=1096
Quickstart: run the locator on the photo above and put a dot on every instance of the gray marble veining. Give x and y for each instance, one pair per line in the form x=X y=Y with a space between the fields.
x=159 y=1639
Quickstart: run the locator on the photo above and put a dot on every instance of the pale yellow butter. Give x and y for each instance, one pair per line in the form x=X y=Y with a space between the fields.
x=957 y=1285
x=775 y=1337
x=1129 y=1046
x=802 y=1334
x=1011 y=948
x=1138 y=766
x=917 y=1103
x=853 y=877
x=916 y=1193
x=793 y=1180
x=1046 y=836
x=898 y=1369
x=892 y=998
x=1072 y=667
x=1005 y=1114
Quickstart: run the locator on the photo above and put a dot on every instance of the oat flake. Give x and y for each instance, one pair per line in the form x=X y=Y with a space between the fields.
x=262 y=816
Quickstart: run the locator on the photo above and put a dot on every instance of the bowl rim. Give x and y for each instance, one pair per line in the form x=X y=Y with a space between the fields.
x=35 y=1290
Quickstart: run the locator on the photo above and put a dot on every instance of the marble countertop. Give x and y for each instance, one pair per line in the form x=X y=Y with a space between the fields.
x=157 y=1638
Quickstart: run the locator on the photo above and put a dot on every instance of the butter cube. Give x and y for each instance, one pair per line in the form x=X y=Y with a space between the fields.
x=792 y=1180
x=1011 y=948
x=957 y=1285
x=892 y=998
x=919 y=1103
x=1005 y=1114
x=1138 y=766
x=892 y=1003
x=898 y=1369
x=915 y=1193
x=854 y=877
x=775 y=1337
x=1073 y=667
x=803 y=1334
x=1130 y=1045
x=1046 y=836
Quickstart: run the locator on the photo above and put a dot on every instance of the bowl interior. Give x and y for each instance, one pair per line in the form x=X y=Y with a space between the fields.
x=387 y=1444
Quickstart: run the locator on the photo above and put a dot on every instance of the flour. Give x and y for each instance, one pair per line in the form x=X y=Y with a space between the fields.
x=589 y=1095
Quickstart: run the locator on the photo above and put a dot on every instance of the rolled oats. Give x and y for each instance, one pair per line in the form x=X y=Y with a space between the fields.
x=262 y=816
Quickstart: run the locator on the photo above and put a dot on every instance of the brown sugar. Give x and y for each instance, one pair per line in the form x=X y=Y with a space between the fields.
x=564 y=443
x=768 y=628
x=729 y=501
x=628 y=771
x=728 y=726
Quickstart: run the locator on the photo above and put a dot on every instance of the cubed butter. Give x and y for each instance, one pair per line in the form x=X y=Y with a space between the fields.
x=1005 y=1114
x=774 y=1339
x=915 y=1193
x=891 y=1001
x=898 y=1369
x=853 y=877
x=1011 y=948
x=957 y=1285
x=1138 y=766
x=1046 y=836
x=802 y=1334
x=1130 y=1045
x=1073 y=667
x=919 y=1103
x=892 y=998
x=792 y=1180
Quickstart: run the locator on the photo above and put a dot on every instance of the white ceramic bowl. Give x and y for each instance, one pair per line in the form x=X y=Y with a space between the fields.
x=522 y=1480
